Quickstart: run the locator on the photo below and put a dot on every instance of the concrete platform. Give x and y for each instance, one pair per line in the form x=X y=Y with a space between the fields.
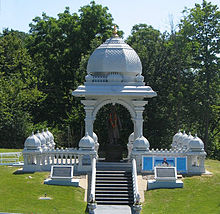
x=153 y=184
x=113 y=209
x=72 y=182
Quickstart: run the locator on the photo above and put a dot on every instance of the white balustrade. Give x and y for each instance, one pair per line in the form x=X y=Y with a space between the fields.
x=135 y=182
x=9 y=158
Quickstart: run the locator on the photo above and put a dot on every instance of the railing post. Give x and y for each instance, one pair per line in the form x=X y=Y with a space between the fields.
x=92 y=202
x=137 y=206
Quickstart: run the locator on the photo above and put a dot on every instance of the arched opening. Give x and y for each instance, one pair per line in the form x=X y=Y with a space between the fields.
x=113 y=125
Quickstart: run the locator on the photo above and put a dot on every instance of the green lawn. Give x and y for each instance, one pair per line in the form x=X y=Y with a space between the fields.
x=200 y=194
x=19 y=193
x=10 y=150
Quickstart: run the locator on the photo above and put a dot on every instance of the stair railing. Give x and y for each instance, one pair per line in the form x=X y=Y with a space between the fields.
x=93 y=181
x=135 y=182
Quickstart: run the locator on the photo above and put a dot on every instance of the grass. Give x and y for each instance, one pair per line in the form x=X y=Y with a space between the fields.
x=200 y=194
x=19 y=193
x=10 y=150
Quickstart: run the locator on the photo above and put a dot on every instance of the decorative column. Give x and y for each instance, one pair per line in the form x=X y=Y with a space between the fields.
x=138 y=120
x=89 y=108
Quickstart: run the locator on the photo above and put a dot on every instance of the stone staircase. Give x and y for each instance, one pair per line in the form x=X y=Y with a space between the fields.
x=114 y=184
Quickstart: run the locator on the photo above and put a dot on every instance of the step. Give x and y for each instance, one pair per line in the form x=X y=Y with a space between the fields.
x=113 y=199
x=112 y=172
x=113 y=185
x=113 y=178
x=113 y=188
x=113 y=191
x=115 y=202
x=113 y=181
x=113 y=195
x=112 y=175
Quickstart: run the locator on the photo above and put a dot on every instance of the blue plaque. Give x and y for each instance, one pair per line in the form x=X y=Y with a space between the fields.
x=147 y=164
x=181 y=164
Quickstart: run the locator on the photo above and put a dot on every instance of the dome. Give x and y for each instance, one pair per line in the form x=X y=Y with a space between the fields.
x=87 y=143
x=50 y=135
x=32 y=142
x=131 y=138
x=42 y=140
x=46 y=136
x=196 y=144
x=180 y=139
x=185 y=142
x=95 y=138
x=141 y=143
x=176 y=138
x=117 y=58
x=51 y=138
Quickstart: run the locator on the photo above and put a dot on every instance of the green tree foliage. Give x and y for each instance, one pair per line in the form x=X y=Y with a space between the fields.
x=183 y=67
x=59 y=46
x=165 y=70
x=200 y=27
x=39 y=70
x=18 y=90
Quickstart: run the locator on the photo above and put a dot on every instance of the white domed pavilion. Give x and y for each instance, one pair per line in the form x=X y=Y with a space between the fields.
x=114 y=76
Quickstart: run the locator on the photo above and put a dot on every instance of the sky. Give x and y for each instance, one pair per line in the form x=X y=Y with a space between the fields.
x=18 y=14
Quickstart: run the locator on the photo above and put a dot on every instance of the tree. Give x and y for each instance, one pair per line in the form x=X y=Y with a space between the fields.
x=19 y=95
x=58 y=46
x=151 y=46
x=201 y=29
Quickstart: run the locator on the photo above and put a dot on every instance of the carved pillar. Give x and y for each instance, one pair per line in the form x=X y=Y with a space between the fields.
x=89 y=108
x=138 y=120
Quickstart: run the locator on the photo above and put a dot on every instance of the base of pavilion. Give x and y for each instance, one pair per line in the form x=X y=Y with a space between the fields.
x=71 y=182
x=153 y=184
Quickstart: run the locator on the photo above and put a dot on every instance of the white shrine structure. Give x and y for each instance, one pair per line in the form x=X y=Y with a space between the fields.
x=114 y=76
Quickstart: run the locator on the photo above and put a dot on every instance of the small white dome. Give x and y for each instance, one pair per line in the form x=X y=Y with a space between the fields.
x=32 y=142
x=51 y=138
x=42 y=140
x=139 y=78
x=141 y=143
x=88 y=78
x=180 y=139
x=46 y=136
x=50 y=135
x=185 y=142
x=196 y=144
x=177 y=135
x=87 y=143
x=176 y=138
x=95 y=137
x=115 y=56
x=131 y=138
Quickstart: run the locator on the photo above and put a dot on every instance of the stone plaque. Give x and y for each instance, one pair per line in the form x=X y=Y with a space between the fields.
x=165 y=172
x=62 y=171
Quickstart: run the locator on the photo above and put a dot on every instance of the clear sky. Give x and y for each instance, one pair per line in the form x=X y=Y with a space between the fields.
x=18 y=14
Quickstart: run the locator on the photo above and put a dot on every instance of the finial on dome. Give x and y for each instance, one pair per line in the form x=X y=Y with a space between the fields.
x=115 y=31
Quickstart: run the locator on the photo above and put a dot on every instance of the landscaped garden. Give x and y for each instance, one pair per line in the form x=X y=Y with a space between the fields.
x=200 y=194
x=19 y=193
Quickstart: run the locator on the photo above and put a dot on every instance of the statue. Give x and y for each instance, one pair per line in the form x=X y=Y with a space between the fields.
x=114 y=125
x=113 y=149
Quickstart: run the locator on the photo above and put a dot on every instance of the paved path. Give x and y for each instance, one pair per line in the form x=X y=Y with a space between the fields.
x=112 y=209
